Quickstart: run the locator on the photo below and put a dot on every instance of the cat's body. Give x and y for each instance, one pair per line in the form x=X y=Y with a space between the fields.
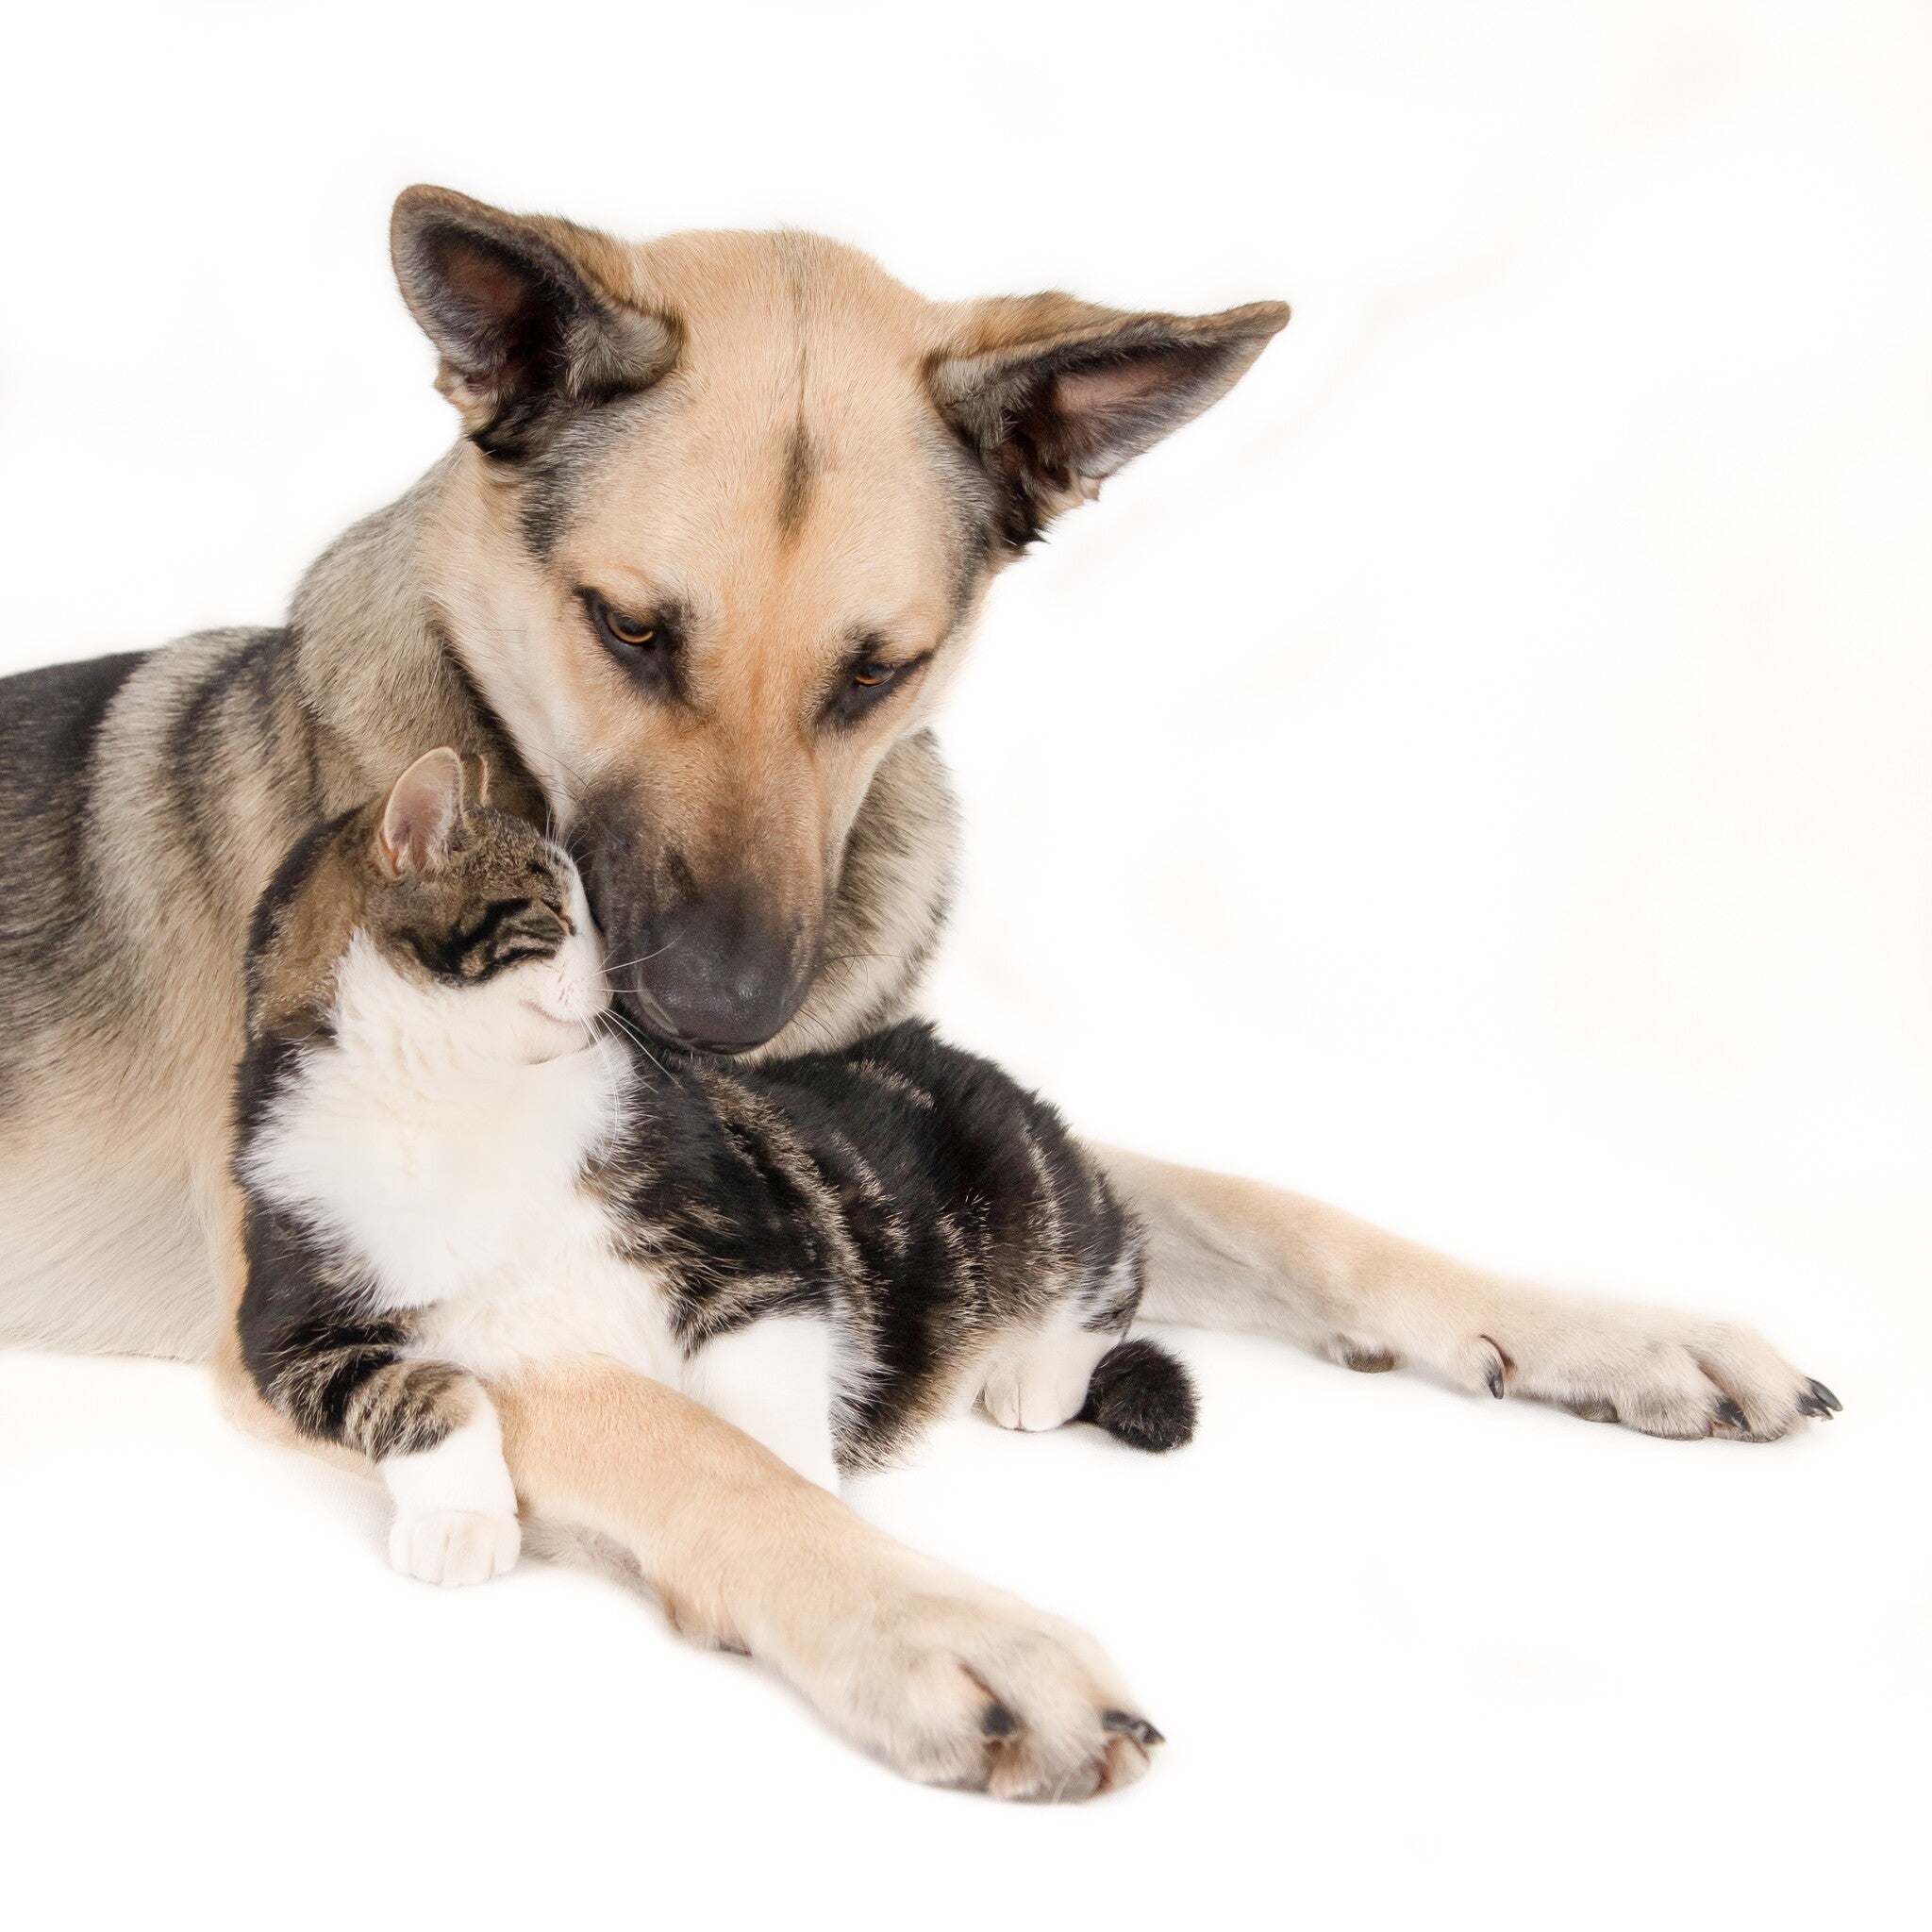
x=451 y=1166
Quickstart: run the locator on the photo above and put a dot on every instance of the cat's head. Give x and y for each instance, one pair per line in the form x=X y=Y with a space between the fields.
x=430 y=914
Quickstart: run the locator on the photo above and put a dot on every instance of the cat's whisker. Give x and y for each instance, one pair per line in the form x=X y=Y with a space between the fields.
x=602 y=1024
x=635 y=1036
x=642 y=959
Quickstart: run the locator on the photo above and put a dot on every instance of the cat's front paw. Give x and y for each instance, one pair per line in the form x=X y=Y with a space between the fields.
x=453 y=1546
x=1041 y=1382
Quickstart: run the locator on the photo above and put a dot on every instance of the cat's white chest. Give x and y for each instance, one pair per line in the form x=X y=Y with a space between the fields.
x=464 y=1199
x=439 y=1184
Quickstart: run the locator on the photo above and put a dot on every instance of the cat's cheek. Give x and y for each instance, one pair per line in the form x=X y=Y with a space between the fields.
x=538 y=1040
x=586 y=990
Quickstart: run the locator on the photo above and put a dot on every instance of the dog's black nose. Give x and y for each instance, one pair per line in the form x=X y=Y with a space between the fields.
x=717 y=973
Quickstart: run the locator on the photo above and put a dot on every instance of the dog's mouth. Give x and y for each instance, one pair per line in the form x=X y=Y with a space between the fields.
x=661 y=1026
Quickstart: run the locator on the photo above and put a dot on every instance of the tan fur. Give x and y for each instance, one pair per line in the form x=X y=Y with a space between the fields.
x=899 y=1653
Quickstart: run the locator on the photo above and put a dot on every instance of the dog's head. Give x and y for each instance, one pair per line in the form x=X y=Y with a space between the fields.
x=727 y=506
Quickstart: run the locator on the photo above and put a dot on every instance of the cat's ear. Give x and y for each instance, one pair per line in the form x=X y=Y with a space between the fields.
x=1054 y=395
x=425 y=806
x=528 y=329
x=475 y=779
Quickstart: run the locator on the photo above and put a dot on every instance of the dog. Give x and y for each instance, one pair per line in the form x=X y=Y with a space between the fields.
x=693 y=579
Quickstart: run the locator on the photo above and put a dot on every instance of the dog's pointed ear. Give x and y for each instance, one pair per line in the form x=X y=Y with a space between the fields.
x=425 y=806
x=1054 y=395
x=525 y=331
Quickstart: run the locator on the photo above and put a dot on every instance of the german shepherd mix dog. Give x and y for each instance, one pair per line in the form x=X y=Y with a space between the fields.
x=693 y=580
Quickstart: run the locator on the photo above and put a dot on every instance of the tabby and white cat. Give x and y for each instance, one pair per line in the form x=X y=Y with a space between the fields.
x=455 y=1161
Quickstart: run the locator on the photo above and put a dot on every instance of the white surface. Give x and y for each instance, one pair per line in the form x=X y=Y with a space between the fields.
x=1479 y=772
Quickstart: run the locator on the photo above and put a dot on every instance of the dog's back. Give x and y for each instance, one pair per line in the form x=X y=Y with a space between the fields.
x=103 y=1247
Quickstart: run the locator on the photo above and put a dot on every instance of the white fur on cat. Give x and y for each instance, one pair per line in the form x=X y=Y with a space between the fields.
x=1040 y=1380
x=774 y=1380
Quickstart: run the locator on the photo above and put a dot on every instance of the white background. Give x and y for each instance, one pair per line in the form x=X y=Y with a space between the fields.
x=1480 y=773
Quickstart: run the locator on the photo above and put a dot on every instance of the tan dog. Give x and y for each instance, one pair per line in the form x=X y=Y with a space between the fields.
x=695 y=579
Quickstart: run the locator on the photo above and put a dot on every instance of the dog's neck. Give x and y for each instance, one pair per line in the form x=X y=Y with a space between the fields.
x=378 y=672
x=373 y=653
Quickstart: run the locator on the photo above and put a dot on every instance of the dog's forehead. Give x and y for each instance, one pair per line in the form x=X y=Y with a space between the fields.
x=756 y=295
x=795 y=454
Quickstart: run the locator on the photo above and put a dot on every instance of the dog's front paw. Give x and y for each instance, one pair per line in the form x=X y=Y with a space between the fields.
x=1649 y=1369
x=453 y=1546
x=957 y=1686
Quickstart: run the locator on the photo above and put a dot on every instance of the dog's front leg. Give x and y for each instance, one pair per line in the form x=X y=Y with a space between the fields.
x=1227 y=1252
x=951 y=1682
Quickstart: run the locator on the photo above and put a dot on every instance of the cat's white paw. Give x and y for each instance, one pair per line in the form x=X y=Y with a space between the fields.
x=453 y=1546
x=456 y=1518
x=1043 y=1387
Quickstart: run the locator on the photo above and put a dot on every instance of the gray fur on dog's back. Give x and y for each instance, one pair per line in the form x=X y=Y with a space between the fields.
x=135 y=793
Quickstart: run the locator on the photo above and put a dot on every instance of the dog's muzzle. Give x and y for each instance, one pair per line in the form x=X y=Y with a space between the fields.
x=720 y=971
x=713 y=973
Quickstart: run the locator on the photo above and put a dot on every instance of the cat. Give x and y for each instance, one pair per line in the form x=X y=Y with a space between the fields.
x=455 y=1157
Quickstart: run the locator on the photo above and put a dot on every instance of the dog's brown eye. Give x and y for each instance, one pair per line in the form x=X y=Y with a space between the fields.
x=630 y=630
x=868 y=680
x=649 y=647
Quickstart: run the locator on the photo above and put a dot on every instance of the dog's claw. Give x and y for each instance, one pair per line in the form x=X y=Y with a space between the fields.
x=1732 y=1416
x=1125 y=1724
x=1825 y=1396
x=1812 y=1405
x=1493 y=1370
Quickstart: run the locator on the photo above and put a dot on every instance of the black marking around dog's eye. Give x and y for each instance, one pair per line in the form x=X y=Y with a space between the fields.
x=869 y=677
x=646 y=643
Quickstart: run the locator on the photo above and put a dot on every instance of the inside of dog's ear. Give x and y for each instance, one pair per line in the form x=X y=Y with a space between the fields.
x=525 y=332
x=1054 y=395
x=424 y=809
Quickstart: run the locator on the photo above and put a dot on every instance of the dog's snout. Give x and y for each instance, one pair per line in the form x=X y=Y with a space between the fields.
x=718 y=970
x=706 y=949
